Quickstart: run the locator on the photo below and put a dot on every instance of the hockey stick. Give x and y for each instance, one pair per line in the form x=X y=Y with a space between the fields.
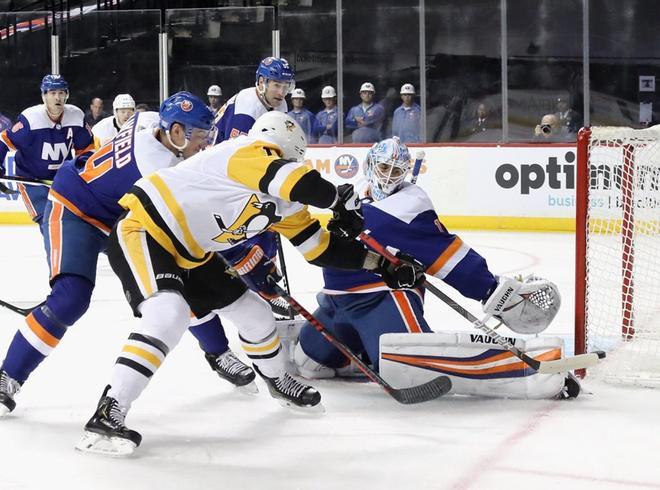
x=280 y=252
x=415 y=394
x=25 y=180
x=543 y=367
x=20 y=311
x=419 y=158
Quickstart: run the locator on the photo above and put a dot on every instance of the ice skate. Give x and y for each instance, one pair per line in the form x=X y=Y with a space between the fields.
x=289 y=392
x=105 y=433
x=281 y=309
x=8 y=388
x=232 y=369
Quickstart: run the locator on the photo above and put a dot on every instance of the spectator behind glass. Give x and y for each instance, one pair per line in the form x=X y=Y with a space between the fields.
x=482 y=122
x=95 y=112
x=302 y=116
x=327 y=120
x=141 y=108
x=569 y=120
x=405 y=123
x=550 y=130
x=214 y=93
x=366 y=119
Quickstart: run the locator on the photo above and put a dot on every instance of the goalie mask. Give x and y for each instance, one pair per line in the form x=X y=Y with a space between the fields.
x=386 y=167
x=527 y=306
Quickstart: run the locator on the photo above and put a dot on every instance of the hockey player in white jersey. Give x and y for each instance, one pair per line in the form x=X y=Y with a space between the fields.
x=164 y=251
x=358 y=307
x=123 y=107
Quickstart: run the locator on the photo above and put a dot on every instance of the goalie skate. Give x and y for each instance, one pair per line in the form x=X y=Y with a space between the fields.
x=8 y=388
x=291 y=393
x=232 y=369
x=105 y=433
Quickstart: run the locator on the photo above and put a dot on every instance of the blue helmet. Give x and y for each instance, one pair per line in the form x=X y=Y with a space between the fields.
x=53 y=82
x=276 y=69
x=186 y=109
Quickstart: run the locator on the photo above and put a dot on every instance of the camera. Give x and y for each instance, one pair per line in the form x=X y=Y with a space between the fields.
x=546 y=128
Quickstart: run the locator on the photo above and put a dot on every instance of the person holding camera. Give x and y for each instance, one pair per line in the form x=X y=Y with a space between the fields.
x=549 y=130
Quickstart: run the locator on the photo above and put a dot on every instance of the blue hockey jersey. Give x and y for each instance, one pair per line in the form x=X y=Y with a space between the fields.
x=407 y=221
x=238 y=114
x=41 y=144
x=92 y=192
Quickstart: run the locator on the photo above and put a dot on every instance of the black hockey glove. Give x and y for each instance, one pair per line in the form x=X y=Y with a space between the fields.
x=347 y=220
x=407 y=275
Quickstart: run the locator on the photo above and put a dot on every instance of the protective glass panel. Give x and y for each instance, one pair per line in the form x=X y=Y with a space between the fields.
x=380 y=47
x=545 y=70
x=221 y=46
x=309 y=42
x=463 y=70
x=24 y=60
x=624 y=46
x=105 y=53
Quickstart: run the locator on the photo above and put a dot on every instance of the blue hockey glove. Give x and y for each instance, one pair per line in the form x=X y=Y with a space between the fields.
x=257 y=269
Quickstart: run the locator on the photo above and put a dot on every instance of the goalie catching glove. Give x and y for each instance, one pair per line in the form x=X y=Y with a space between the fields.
x=347 y=221
x=407 y=274
x=257 y=271
x=527 y=306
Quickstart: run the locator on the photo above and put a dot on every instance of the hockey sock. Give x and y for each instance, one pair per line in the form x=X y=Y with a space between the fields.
x=165 y=317
x=210 y=334
x=252 y=316
x=44 y=327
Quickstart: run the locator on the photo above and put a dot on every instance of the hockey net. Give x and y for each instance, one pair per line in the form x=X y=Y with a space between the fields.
x=618 y=252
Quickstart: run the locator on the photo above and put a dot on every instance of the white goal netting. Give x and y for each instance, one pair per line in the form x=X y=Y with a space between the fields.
x=622 y=252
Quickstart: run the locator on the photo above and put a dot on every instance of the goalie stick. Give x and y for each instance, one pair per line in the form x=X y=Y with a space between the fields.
x=415 y=394
x=419 y=158
x=543 y=367
x=20 y=311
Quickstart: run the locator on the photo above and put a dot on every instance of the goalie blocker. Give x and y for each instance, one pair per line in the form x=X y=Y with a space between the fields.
x=475 y=364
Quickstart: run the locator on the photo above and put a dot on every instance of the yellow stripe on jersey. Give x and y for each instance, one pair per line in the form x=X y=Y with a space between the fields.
x=131 y=234
x=146 y=355
x=291 y=180
x=141 y=216
x=293 y=225
x=249 y=163
x=178 y=213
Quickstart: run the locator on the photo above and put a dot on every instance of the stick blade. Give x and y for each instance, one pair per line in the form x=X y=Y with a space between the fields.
x=571 y=363
x=422 y=393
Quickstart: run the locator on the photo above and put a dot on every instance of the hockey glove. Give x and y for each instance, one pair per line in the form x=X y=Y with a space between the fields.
x=347 y=220
x=257 y=270
x=3 y=188
x=408 y=274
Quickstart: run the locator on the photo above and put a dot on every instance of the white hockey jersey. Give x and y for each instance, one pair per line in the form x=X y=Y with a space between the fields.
x=223 y=196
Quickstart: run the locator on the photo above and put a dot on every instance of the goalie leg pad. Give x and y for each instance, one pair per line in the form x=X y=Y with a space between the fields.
x=475 y=364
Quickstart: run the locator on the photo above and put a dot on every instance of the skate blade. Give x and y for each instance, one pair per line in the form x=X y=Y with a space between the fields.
x=107 y=446
x=306 y=409
x=248 y=389
x=4 y=411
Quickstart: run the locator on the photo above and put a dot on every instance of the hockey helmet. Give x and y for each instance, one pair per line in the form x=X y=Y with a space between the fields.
x=186 y=109
x=53 y=82
x=123 y=101
x=284 y=131
x=277 y=69
x=386 y=166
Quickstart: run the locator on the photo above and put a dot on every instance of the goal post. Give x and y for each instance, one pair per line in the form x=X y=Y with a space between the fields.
x=617 y=269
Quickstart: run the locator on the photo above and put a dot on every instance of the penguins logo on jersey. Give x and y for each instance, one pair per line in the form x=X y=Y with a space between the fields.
x=255 y=217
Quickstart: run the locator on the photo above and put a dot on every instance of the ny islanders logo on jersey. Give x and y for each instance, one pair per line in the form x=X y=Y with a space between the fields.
x=347 y=166
x=255 y=217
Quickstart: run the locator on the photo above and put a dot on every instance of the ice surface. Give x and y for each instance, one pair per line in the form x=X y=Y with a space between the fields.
x=200 y=433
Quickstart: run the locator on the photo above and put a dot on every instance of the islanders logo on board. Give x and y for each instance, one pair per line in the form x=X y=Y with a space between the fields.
x=347 y=166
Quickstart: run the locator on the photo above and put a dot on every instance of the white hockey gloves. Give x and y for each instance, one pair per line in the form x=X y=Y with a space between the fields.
x=525 y=307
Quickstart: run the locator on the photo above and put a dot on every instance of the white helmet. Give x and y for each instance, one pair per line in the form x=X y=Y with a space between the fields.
x=284 y=131
x=328 y=92
x=298 y=93
x=407 y=89
x=367 y=87
x=214 y=90
x=123 y=101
